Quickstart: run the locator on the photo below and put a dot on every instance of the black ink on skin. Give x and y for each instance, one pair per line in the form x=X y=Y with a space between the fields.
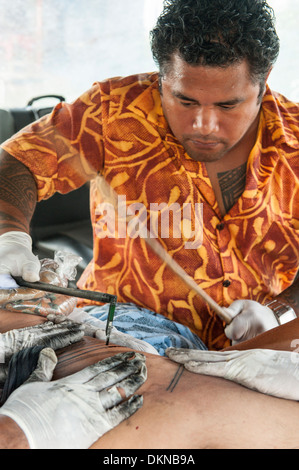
x=175 y=379
x=232 y=184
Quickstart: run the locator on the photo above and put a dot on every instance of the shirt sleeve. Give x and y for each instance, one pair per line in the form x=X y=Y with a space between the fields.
x=64 y=149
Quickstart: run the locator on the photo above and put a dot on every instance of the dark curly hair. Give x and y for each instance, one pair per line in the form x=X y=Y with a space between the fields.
x=217 y=33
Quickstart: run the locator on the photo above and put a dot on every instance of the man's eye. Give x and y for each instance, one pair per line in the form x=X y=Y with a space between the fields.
x=227 y=106
x=186 y=103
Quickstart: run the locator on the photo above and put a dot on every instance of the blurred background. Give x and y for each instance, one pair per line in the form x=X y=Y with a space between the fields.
x=63 y=46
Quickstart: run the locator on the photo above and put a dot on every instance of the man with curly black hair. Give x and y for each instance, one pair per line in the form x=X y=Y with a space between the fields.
x=217 y=33
x=233 y=42
x=204 y=132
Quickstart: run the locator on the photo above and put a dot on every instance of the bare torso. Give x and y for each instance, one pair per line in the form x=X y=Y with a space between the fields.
x=183 y=410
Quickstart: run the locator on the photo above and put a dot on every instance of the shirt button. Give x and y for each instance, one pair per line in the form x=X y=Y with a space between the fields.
x=226 y=283
x=220 y=226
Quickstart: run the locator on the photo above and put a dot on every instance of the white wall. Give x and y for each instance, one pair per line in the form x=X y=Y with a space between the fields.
x=63 y=46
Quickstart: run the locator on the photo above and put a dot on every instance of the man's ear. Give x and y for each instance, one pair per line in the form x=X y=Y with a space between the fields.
x=160 y=83
x=263 y=88
x=268 y=74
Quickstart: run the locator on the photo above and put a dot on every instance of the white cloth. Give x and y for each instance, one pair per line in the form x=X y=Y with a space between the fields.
x=7 y=282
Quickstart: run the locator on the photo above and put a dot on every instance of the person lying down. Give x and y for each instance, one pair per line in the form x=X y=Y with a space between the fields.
x=186 y=410
x=135 y=329
x=170 y=384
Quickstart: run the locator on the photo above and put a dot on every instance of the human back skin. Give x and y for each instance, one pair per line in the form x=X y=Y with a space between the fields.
x=183 y=410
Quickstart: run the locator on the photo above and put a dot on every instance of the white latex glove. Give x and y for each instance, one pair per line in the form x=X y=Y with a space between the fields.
x=46 y=334
x=44 y=370
x=250 y=319
x=265 y=370
x=123 y=339
x=16 y=256
x=97 y=328
x=73 y=412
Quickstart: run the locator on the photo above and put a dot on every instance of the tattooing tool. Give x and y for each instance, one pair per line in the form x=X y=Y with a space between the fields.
x=74 y=292
x=150 y=239
x=222 y=312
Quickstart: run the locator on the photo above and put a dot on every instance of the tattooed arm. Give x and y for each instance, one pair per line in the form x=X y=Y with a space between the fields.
x=18 y=195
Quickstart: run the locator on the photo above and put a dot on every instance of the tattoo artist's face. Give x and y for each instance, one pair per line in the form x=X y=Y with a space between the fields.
x=210 y=110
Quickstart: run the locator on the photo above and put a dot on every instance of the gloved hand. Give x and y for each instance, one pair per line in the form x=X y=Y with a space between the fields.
x=97 y=328
x=250 y=319
x=46 y=334
x=123 y=339
x=73 y=412
x=271 y=372
x=16 y=256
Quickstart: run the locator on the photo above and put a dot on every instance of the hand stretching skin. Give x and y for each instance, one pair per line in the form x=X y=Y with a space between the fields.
x=47 y=334
x=73 y=412
x=264 y=370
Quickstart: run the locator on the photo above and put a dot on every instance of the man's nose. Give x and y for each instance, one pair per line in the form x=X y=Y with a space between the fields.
x=206 y=122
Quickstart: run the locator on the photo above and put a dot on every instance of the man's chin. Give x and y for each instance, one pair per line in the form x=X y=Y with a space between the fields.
x=205 y=157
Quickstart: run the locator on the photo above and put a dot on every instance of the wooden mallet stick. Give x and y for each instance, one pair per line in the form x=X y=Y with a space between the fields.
x=171 y=263
x=179 y=271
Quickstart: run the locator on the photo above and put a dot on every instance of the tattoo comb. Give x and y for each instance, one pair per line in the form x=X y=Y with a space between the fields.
x=73 y=292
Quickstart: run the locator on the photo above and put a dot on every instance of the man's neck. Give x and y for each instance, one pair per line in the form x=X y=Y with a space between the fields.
x=228 y=186
x=228 y=175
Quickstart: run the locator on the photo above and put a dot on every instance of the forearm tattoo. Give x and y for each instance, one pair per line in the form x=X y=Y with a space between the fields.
x=232 y=184
x=17 y=195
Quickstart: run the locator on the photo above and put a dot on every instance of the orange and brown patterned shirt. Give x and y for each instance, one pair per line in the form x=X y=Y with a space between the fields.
x=117 y=132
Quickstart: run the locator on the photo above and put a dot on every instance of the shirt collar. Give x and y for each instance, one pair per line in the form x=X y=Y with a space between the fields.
x=281 y=118
x=148 y=103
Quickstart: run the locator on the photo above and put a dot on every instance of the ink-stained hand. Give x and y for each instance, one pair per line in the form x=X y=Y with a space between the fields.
x=73 y=412
x=47 y=334
x=128 y=341
x=267 y=371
